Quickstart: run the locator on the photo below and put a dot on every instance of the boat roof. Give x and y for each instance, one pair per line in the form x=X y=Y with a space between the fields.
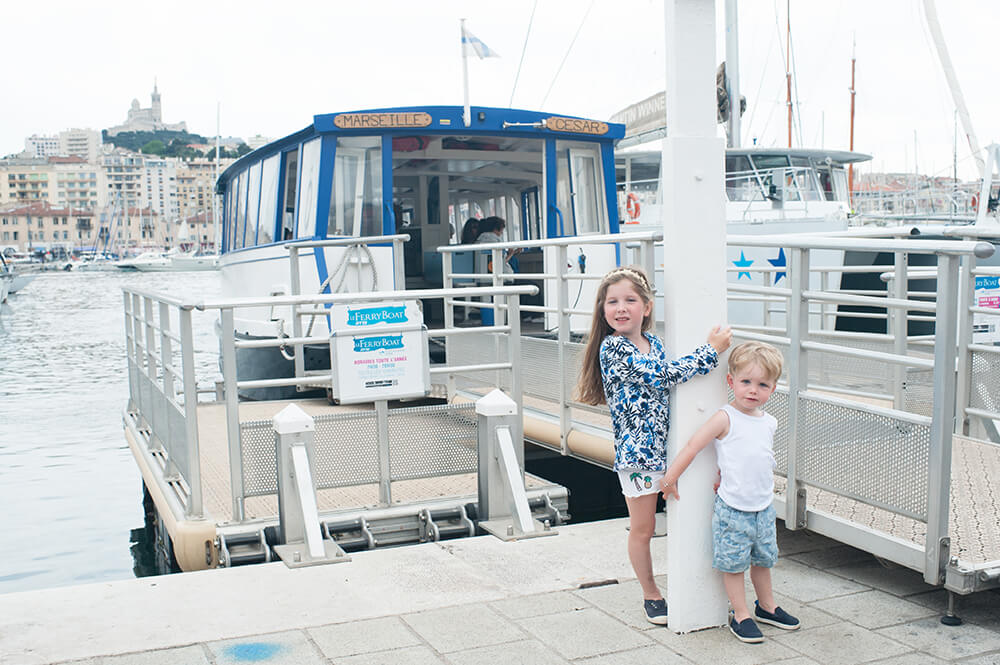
x=813 y=154
x=429 y=120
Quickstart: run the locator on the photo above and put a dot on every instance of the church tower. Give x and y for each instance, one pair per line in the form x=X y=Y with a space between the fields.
x=157 y=111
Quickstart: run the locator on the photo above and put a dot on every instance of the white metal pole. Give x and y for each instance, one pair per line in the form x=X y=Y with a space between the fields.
x=732 y=81
x=694 y=260
x=467 y=113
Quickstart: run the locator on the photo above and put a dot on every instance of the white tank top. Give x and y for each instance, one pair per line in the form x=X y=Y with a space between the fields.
x=746 y=460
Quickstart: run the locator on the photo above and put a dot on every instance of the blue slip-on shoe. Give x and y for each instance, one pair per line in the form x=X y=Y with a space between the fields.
x=779 y=617
x=746 y=630
x=656 y=611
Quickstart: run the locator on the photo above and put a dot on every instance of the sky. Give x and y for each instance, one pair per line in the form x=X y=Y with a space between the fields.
x=269 y=67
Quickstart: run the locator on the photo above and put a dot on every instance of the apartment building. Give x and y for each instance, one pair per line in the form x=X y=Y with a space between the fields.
x=41 y=226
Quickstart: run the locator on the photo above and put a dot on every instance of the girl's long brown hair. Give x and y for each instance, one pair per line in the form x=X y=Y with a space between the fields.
x=590 y=386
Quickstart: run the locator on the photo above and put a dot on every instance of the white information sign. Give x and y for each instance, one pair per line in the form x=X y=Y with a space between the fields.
x=378 y=351
x=986 y=327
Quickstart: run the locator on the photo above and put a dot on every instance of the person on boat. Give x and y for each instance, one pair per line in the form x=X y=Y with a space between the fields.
x=626 y=367
x=743 y=521
x=491 y=230
x=470 y=231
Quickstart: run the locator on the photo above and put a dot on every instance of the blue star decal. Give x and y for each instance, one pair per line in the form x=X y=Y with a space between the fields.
x=744 y=262
x=779 y=263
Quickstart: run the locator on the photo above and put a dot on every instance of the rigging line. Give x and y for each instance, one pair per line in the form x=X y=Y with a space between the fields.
x=524 y=48
x=760 y=86
x=781 y=53
x=566 y=56
x=796 y=100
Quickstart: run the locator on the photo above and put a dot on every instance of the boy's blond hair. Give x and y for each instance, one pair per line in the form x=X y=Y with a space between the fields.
x=761 y=354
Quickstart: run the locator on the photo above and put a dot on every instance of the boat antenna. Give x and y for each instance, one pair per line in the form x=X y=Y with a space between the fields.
x=524 y=48
x=580 y=27
x=850 y=145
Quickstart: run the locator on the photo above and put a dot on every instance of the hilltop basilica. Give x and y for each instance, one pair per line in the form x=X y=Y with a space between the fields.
x=146 y=120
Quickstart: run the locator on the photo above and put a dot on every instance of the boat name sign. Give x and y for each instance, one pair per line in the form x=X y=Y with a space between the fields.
x=576 y=125
x=377 y=120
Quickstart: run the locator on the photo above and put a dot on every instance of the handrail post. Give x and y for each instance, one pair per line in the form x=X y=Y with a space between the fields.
x=296 y=288
x=229 y=377
x=562 y=305
x=514 y=356
x=449 y=316
x=963 y=385
x=130 y=359
x=798 y=381
x=898 y=325
x=190 y=386
x=398 y=266
x=166 y=353
x=384 y=463
x=937 y=545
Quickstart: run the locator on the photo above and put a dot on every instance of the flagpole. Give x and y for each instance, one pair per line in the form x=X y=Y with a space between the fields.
x=467 y=113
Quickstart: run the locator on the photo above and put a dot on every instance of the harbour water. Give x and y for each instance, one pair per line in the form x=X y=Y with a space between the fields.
x=70 y=490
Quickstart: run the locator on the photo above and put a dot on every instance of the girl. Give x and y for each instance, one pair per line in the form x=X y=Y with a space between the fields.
x=626 y=367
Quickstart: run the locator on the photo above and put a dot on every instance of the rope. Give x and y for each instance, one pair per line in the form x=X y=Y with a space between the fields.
x=579 y=28
x=523 y=49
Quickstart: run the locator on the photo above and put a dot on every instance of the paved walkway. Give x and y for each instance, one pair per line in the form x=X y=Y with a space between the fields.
x=566 y=599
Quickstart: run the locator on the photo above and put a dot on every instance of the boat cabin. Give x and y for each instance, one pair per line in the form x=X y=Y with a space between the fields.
x=419 y=171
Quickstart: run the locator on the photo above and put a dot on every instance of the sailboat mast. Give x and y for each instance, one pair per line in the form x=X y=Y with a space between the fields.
x=850 y=167
x=788 y=66
x=956 y=91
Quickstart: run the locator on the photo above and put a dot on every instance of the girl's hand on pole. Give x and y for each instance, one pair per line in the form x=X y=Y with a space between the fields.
x=720 y=338
x=668 y=489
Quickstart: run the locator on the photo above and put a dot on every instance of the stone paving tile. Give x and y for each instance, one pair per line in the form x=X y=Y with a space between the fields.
x=718 y=646
x=914 y=658
x=873 y=609
x=651 y=655
x=539 y=604
x=796 y=542
x=948 y=642
x=987 y=659
x=806 y=584
x=893 y=579
x=588 y=632
x=409 y=655
x=191 y=655
x=528 y=652
x=355 y=637
x=982 y=608
x=841 y=644
x=800 y=660
x=464 y=627
x=622 y=601
x=832 y=557
x=810 y=615
x=287 y=648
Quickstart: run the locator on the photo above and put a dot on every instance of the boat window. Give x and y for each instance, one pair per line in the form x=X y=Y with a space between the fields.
x=356 y=198
x=253 y=205
x=580 y=188
x=241 y=210
x=268 y=199
x=741 y=180
x=230 y=219
x=804 y=176
x=826 y=182
x=840 y=185
x=530 y=216
x=288 y=205
x=309 y=188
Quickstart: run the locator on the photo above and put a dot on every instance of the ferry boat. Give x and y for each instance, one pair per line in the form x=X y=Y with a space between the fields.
x=418 y=171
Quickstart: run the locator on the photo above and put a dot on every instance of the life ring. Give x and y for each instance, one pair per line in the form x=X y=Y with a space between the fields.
x=975 y=202
x=632 y=206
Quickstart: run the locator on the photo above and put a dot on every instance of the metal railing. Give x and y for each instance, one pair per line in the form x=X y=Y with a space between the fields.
x=156 y=367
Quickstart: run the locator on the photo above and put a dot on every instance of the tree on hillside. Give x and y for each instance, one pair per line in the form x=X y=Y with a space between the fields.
x=154 y=147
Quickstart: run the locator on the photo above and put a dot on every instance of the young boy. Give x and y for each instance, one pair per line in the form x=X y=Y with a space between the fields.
x=743 y=529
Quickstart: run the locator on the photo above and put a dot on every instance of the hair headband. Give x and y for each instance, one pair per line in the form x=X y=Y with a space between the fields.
x=627 y=271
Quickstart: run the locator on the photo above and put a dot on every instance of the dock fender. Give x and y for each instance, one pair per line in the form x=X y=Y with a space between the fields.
x=194 y=541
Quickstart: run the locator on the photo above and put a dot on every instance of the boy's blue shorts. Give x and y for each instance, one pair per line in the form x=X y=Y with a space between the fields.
x=742 y=539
